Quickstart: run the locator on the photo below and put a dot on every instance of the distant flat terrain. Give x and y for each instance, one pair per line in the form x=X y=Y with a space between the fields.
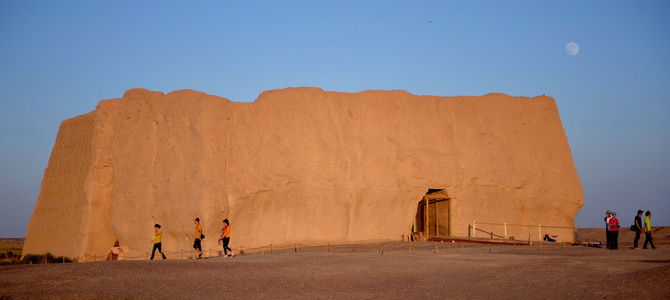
x=404 y=270
x=10 y=248
x=12 y=240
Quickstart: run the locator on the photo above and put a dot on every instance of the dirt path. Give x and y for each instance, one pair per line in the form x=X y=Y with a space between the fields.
x=471 y=272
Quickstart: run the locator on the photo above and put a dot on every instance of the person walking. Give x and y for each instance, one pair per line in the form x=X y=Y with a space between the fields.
x=225 y=238
x=647 y=231
x=197 y=244
x=614 y=232
x=158 y=237
x=608 y=233
x=637 y=225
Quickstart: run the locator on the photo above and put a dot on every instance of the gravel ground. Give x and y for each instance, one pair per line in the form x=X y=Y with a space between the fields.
x=456 y=271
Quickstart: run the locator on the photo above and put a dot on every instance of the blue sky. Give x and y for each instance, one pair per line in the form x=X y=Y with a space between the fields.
x=58 y=59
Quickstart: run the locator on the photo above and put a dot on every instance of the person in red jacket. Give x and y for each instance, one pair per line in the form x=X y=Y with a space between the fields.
x=614 y=230
x=608 y=233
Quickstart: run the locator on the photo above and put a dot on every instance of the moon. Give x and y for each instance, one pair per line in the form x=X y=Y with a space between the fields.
x=572 y=48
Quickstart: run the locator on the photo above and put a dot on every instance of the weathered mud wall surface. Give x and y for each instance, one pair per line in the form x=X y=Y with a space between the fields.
x=299 y=165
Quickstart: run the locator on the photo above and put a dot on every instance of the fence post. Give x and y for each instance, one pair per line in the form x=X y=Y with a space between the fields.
x=474 y=229
x=505 y=226
x=539 y=231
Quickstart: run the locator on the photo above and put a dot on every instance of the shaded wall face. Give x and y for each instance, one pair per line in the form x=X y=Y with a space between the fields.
x=306 y=166
x=56 y=224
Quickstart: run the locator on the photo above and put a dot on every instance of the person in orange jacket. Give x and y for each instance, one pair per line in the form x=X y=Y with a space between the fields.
x=225 y=238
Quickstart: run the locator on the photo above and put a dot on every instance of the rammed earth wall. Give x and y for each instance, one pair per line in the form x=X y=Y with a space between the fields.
x=300 y=165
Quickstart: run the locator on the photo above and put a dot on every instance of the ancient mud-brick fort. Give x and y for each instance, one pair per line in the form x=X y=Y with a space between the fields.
x=301 y=165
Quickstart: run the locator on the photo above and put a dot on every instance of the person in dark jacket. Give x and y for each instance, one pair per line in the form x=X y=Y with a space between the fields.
x=637 y=225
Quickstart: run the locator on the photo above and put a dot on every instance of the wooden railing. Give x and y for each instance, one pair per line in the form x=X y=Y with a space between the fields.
x=472 y=229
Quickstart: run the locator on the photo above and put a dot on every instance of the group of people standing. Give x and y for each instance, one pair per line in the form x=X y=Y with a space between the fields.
x=612 y=227
x=224 y=237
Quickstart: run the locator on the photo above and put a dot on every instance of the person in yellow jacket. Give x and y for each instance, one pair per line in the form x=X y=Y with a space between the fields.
x=225 y=238
x=197 y=244
x=158 y=237
x=647 y=231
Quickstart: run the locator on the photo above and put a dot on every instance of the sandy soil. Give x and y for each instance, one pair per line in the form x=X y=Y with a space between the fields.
x=456 y=271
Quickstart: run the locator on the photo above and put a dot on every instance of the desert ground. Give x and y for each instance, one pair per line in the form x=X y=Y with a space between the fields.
x=399 y=270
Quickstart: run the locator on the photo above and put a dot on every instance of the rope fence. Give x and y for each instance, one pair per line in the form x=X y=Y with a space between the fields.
x=380 y=248
x=338 y=248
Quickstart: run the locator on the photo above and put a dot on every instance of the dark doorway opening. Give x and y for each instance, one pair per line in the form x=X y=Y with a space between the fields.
x=433 y=215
